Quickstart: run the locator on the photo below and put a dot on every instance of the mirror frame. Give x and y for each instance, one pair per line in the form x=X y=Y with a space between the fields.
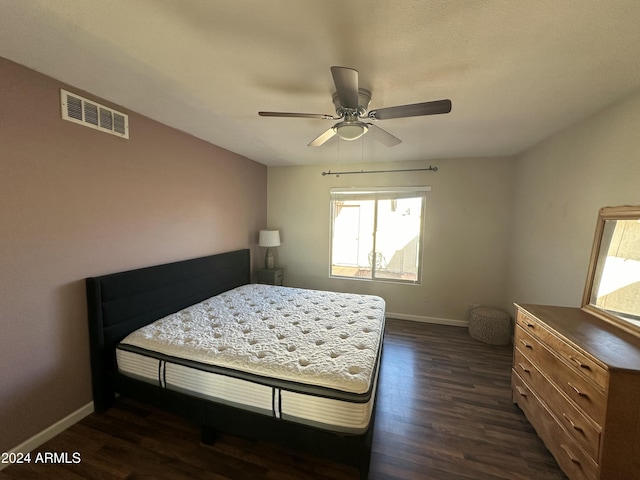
x=625 y=212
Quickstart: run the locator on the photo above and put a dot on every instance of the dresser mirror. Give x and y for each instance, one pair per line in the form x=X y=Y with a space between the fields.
x=612 y=291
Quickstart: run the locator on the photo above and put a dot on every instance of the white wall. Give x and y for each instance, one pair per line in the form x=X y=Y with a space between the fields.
x=560 y=185
x=466 y=239
x=499 y=230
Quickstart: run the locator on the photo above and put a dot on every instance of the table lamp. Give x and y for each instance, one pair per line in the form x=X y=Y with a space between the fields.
x=269 y=238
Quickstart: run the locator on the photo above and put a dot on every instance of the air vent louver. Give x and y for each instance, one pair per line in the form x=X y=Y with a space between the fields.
x=78 y=109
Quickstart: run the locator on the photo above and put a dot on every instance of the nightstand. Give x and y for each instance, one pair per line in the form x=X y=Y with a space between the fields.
x=271 y=276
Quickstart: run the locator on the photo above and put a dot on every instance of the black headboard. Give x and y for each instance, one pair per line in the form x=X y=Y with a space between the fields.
x=120 y=303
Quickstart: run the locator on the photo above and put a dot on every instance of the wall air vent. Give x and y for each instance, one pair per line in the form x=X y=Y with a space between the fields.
x=78 y=109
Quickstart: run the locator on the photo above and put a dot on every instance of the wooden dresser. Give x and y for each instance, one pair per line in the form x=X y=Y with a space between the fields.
x=577 y=380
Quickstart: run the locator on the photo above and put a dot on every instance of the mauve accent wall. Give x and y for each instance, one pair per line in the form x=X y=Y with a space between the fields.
x=76 y=202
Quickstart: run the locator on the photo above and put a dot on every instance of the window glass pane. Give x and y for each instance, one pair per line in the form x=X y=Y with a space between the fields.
x=398 y=239
x=352 y=241
x=391 y=225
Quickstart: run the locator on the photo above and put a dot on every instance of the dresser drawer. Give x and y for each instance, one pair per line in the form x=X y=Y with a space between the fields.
x=579 y=427
x=571 y=458
x=584 y=393
x=580 y=362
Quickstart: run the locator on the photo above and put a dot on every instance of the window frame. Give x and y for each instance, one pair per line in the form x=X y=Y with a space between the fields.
x=378 y=193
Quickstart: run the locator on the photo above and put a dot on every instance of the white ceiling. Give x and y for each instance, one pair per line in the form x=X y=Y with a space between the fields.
x=516 y=71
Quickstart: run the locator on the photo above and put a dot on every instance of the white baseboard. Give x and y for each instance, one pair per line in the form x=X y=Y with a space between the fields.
x=50 y=432
x=419 y=318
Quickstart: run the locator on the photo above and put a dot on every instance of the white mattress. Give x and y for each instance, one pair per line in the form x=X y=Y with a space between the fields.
x=302 y=355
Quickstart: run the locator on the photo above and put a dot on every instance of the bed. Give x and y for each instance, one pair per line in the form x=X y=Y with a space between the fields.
x=291 y=366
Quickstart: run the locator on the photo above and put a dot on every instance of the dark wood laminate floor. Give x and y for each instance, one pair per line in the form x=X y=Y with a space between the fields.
x=444 y=412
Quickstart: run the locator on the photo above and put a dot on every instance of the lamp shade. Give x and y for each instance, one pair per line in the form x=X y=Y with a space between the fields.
x=269 y=238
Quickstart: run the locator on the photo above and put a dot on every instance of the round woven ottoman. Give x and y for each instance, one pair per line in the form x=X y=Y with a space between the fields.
x=490 y=325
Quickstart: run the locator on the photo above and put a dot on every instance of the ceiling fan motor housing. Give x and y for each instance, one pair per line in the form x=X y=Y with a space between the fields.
x=364 y=97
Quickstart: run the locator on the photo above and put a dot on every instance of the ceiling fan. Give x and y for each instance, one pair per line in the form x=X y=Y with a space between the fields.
x=352 y=103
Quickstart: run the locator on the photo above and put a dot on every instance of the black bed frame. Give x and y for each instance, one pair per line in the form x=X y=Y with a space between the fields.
x=120 y=303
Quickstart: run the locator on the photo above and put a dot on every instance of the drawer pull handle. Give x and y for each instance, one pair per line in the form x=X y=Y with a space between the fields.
x=521 y=391
x=577 y=390
x=531 y=325
x=579 y=363
x=569 y=454
x=524 y=368
x=573 y=425
x=526 y=345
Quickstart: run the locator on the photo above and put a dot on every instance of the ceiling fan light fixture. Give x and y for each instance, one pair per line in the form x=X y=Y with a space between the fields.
x=350 y=131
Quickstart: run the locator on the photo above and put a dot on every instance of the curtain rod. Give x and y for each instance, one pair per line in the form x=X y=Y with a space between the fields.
x=337 y=174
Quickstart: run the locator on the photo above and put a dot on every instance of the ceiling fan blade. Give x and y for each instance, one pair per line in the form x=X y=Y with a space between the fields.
x=298 y=115
x=383 y=136
x=413 y=110
x=346 y=81
x=323 y=138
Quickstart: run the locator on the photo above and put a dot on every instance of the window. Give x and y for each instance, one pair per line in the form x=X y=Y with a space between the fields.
x=376 y=233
